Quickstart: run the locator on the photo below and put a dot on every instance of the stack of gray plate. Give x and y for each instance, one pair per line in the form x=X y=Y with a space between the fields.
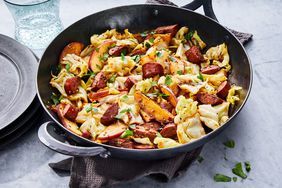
x=18 y=101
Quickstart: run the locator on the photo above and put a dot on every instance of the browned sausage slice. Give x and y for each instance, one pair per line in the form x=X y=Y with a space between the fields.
x=141 y=51
x=172 y=29
x=121 y=142
x=94 y=96
x=211 y=69
x=71 y=85
x=143 y=146
x=169 y=131
x=86 y=134
x=206 y=98
x=152 y=125
x=108 y=117
x=194 y=55
x=111 y=132
x=223 y=88
x=129 y=82
x=117 y=50
x=141 y=131
x=72 y=48
x=100 y=81
x=70 y=112
x=152 y=69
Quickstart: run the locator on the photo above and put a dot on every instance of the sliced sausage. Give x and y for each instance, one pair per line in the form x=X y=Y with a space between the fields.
x=152 y=69
x=194 y=55
x=211 y=69
x=141 y=51
x=172 y=29
x=143 y=146
x=169 y=131
x=108 y=117
x=206 y=98
x=138 y=37
x=71 y=85
x=223 y=88
x=121 y=142
x=152 y=125
x=94 y=96
x=111 y=132
x=129 y=82
x=142 y=132
x=70 y=112
x=100 y=81
x=86 y=134
x=117 y=50
x=72 y=48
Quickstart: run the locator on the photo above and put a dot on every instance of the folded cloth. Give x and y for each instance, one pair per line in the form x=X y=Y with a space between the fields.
x=99 y=172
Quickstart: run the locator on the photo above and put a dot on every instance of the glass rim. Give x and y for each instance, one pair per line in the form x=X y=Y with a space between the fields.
x=8 y=2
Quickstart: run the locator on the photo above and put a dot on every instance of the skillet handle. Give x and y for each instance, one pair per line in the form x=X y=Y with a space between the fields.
x=52 y=140
x=207 y=5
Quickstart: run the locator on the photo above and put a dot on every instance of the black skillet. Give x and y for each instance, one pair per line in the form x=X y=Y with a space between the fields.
x=139 y=18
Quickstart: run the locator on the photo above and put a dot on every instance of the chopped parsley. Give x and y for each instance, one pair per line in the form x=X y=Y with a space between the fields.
x=163 y=95
x=148 y=45
x=90 y=74
x=168 y=80
x=55 y=99
x=200 y=159
x=122 y=56
x=59 y=68
x=248 y=166
x=88 y=108
x=126 y=133
x=180 y=72
x=189 y=35
x=137 y=58
x=124 y=97
x=104 y=57
x=234 y=179
x=151 y=40
x=171 y=58
x=159 y=54
x=154 y=83
x=200 y=76
x=95 y=110
x=221 y=178
x=112 y=78
x=238 y=170
x=97 y=49
x=122 y=112
x=144 y=34
x=229 y=143
x=68 y=67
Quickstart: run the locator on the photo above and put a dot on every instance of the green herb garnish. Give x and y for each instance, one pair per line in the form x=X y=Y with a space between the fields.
x=112 y=79
x=55 y=99
x=234 y=179
x=238 y=170
x=148 y=45
x=162 y=95
x=151 y=40
x=126 y=133
x=248 y=166
x=200 y=76
x=171 y=58
x=122 y=56
x=122 y=112
x=221 y=178
x=137 y=58
x=229 y=143
x=88 y=108
x=154 y=83
x=179 y=72
x=189 y=35
x=159 y=54
x=68 y=67
x=168 y=80
x=95 y=110
x=200 y=159
x=144 y=34
x=105 y=56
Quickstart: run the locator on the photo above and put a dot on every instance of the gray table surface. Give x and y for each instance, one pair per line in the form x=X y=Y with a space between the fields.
x=256 y=130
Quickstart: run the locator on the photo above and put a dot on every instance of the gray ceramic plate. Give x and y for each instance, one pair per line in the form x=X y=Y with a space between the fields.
x=17 y=74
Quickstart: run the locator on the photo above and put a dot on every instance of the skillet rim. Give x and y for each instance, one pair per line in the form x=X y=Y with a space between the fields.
x=194 y=144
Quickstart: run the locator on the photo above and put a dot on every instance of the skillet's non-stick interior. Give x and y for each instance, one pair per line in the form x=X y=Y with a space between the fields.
x=138 y=18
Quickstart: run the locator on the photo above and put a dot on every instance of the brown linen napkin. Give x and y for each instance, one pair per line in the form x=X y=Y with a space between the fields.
x=98 y=172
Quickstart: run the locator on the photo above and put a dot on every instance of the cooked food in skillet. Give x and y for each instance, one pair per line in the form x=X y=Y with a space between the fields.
x=156 y=89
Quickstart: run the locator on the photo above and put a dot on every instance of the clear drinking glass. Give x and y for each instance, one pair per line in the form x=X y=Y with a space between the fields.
x=37 y=22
